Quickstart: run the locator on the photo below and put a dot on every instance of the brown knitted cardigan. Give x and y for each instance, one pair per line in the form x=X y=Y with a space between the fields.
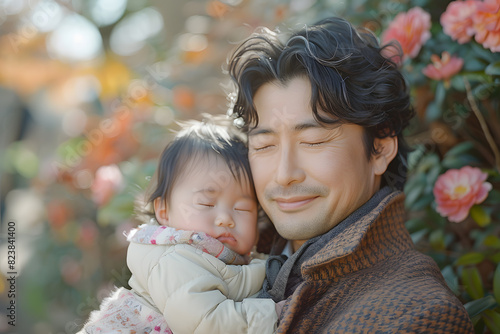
x=369 y=279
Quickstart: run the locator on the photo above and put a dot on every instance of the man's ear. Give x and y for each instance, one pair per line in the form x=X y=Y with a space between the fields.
x=386 y=148
x=161 y=211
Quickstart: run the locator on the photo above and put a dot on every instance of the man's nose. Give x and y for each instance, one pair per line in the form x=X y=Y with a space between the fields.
x=224 y=219
x=289 y=170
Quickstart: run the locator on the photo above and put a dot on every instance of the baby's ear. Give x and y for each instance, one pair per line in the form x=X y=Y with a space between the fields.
x=161 y=211
x=387 y=148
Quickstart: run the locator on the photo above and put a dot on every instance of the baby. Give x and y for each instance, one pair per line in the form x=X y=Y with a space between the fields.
x=192 y=267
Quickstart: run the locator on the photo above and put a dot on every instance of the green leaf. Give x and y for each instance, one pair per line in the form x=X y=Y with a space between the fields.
x=483 y=91
x=478 y=76
x=496 y=284
x=436 y=239
x=458 y=161
x=417 y=236
x=492 y=241
x=470 y=258
x=473 y=283
x=492 y=320
x=493 y=175
x=480 y=216
x=460 y=149
x=473 y=65
x=413 y=195
x=19 y=158
x=415 y=224
x=433 y=175
x=423 y=202
x=451 y=279
x=429 y=161
x=415 y=156
x=457 y=82
x=71 y=151
x=433 y=112
x=493 y=69
x=493 y=197
x=118 y=209
x=478 y=322
x=440 y=94
x=476 y=307
x=495 y=257
x=414 y=181
x=482 y=52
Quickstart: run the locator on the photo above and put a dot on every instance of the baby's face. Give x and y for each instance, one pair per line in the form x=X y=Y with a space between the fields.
x=207 y=198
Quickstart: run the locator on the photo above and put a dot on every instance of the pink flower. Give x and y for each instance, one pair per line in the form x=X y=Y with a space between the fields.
x=108 y=180
x=443 y=68
x=411 y=30
x=457 y=20
x=487 y=24
x=457 y=190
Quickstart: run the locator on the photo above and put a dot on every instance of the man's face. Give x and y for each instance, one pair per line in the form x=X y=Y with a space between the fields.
x=308 y=177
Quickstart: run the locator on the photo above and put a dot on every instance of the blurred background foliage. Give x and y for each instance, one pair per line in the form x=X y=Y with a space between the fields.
x=90 y=91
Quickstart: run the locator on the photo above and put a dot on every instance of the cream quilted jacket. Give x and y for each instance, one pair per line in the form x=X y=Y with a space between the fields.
x=198 y=293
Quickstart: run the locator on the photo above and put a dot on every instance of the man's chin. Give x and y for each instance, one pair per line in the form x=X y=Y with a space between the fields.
x=289 y=233
x=299 y=226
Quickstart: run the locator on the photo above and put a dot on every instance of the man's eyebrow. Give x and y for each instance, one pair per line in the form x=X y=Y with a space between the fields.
x=298 y=127
x=260 y=131
x=307 y=125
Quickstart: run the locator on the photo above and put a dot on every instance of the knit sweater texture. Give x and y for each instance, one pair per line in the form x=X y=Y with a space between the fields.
x=369 y=279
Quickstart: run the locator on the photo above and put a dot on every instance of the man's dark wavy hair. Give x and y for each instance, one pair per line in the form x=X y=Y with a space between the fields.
x=351 y=81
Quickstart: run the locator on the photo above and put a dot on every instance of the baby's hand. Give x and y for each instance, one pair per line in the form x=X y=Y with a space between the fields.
x=279 y=307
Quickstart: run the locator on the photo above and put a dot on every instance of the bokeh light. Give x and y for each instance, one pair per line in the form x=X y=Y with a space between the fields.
x=80 y=89
x=131 y=33
x=198 y=24
x=46 y=15
x=74 y=122
x=164 y=116
x=75 y=39
x=193 y=42
x=106 y=12
x=12 y=7
x=83 y=179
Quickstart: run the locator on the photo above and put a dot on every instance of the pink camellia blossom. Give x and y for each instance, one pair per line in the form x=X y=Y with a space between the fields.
x=107 y=181
x=487 y=24
x=411 y=30
x=457 y=190
x=443 y=68
x=457 y=20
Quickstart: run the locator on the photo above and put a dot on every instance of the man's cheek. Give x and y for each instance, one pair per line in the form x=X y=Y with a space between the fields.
x=258 y=170
x=260 y=181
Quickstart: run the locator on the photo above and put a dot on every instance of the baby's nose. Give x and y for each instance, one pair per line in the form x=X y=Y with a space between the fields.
x=224 y=220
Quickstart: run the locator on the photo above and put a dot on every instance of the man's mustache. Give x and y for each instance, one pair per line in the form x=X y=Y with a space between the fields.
x=294 y=191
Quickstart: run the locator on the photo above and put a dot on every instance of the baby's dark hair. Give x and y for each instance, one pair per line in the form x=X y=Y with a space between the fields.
x=214 y=136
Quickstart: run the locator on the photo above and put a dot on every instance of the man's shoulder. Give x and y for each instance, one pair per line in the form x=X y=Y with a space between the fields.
x=409 y=272
x=409 y=290
x=405 y=294
x=408 y=281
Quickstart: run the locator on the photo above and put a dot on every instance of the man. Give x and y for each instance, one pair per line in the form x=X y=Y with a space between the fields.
x=325 y=113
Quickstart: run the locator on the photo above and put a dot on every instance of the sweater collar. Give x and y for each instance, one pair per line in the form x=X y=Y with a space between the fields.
x=371 y=238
